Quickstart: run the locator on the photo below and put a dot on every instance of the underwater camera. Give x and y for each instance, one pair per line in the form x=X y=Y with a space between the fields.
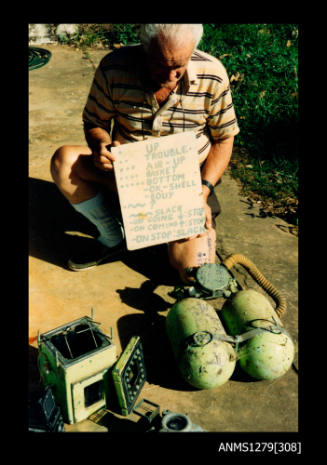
x=80 y=364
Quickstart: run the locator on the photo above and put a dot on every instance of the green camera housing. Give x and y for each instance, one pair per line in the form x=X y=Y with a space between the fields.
x=73 y=359
x=78 y=361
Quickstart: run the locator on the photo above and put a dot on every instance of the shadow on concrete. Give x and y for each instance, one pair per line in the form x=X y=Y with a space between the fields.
x=144 y=298
x=240 y=376
x=118 y=425
x=153 y=263
x=51 y=216
x=159 y=361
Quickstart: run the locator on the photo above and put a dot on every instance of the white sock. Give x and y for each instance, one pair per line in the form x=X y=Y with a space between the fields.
x=97 y=211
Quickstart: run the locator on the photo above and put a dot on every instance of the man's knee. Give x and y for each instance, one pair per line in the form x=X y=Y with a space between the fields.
x=63 y=161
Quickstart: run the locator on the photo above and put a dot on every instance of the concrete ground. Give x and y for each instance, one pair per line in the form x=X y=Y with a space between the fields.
x=131 y=295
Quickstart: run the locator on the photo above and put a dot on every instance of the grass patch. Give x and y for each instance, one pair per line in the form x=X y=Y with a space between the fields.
x=262 y=64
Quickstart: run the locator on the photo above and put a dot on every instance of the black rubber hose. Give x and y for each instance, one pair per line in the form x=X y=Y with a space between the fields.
x=37 y=57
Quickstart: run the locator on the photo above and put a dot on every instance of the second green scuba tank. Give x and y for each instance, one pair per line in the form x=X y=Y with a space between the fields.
x=269 y=352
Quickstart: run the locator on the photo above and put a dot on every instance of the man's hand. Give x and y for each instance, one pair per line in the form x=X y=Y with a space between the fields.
x=102 y=156
x=208 y=222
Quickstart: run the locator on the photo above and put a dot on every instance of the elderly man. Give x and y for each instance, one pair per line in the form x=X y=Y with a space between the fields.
x=160 y=87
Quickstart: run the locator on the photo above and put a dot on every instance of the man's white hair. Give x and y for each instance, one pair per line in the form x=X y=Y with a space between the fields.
x=175 y=32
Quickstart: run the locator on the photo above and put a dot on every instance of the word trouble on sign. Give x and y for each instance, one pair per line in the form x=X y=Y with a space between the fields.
x=159 y=188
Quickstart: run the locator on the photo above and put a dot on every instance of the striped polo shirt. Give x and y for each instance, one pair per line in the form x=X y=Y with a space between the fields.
x=202 y=101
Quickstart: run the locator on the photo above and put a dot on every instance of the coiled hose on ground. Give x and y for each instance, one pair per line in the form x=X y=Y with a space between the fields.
x=238 y=259
x=37 y=57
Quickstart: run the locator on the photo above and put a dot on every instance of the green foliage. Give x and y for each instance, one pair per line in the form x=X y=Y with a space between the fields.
x=267 y=176
x=124 y=34
x=90 y=35
x=262 y=63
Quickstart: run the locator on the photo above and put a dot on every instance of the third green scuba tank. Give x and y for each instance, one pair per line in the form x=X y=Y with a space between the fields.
x=269 y=352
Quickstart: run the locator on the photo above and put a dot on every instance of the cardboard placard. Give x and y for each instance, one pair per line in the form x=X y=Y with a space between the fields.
x=159 y=188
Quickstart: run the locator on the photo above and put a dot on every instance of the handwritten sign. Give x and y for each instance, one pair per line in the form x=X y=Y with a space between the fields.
x=159 y=188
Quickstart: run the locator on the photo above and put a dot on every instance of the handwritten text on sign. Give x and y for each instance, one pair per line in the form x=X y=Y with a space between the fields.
x=159 y=188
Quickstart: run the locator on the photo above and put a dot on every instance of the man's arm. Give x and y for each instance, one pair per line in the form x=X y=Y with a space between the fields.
x=95 y=135
x=214 y=167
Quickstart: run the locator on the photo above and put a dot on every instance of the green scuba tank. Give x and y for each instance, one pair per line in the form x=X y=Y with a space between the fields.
x=204 y=358
x=270 y=352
